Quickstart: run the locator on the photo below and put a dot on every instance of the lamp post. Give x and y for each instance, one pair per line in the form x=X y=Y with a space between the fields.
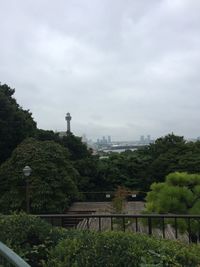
x=27 y=171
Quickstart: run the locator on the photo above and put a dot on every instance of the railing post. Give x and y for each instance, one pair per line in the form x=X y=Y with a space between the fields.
x=99 y=224
x=189 y=230
x=88 y=223
x=62 y=221
x=124 y=226
x=111 y=223
x=150 y=225
x=136 y=224
x=199 y=230
x=163 y=226
x=175 y=225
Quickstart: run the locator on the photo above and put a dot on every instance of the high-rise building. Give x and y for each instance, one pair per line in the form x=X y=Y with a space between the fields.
x=142 y=139
x=104 y=140
x=109 y=139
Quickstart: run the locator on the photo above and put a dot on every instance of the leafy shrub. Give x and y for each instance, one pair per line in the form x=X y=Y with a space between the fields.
x=40 y=244
x=52 y=183
x=29 y=236
x=121 y=250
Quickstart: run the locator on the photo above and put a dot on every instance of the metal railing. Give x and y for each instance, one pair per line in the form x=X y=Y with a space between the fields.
x=8 y=258
x=151 y=221
x=109 y=195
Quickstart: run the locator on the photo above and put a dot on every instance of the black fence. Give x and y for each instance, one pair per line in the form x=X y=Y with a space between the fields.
x=189 y=224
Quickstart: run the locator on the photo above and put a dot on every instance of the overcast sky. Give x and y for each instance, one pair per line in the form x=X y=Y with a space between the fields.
x=123 y=68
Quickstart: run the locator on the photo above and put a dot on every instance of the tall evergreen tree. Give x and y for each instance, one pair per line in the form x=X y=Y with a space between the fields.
x=15 y=123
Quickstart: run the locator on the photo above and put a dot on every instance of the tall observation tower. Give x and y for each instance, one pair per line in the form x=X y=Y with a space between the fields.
x=68 y=119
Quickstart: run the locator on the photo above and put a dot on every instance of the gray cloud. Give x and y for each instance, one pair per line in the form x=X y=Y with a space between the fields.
x=122 y=68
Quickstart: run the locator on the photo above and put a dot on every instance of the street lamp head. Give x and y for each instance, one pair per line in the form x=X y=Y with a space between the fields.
x=27 y=170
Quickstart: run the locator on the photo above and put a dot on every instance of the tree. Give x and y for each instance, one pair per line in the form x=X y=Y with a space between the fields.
x=47 y=135
x=165 y=155
x=52 y=181
x=128 y=169
x=78 y=150
x=88 y=170
x=15 y=123
x=164 y=144
x=179 y=194
x=189 y=161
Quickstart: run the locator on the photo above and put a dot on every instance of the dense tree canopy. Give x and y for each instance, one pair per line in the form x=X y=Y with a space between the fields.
x=47 y=135
x=166 y=143
x=15 y=123
x=78 y=150
x=52 y=181
x=137 y=170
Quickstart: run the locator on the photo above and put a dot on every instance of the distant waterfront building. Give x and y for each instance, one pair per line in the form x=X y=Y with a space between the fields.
x=142 y=139
x=145 y=140
x=104 y=140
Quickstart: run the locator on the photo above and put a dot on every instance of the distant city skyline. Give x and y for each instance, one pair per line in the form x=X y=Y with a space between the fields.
x=121 y=68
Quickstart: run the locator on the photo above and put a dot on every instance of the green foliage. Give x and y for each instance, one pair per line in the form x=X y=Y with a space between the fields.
x=166 y=153
x=163 y=144
x=78 y=150
x=40 y=244
x=29 y=236
x=46 y=135
x=119 y=199
x=52 y=183
x=137 y=170
x=16 y=124
x=179 y=194
x=88 y=170
x=125 y=169
x=121 y=250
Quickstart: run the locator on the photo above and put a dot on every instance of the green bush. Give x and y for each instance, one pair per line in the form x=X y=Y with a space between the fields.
x=121 y=250
x=40 y=244
x=29 y=236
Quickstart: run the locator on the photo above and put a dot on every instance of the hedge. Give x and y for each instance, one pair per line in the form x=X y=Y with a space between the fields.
x=40 y=244
x=121 y=250
x=29 y=236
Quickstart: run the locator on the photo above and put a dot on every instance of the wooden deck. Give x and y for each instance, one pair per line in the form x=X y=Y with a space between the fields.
x=106 y=224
